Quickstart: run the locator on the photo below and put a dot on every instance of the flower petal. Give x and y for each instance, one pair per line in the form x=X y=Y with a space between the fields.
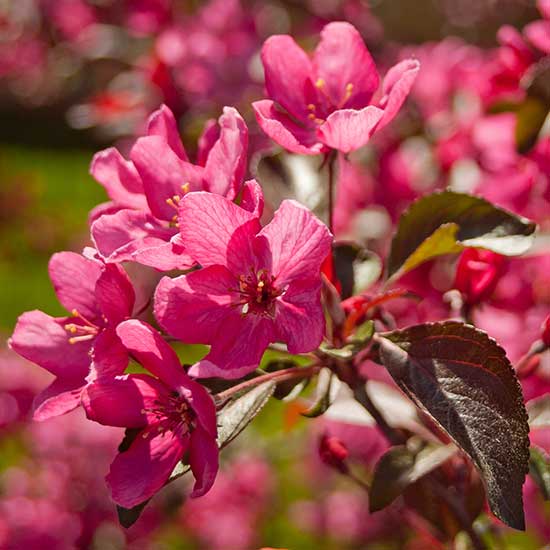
x=138 y=473
x=226 y=163
x=43 y=340
x=209 y=136
x=203 y=458
x=217 y=231
x=115 y=293
x=74 y=278
x=253 y=198
x=538 y=33
x=288 y=72
x=348 y=130
x=237 y=348
x=164 y=174
x=109 y=356
x=123 y=401
x=119 y=177
x=340 y=43
x=193 y=307
x=298 y=242
x=284 y=131
x=60 y=397
x=396 y=87
x=149 y=348
x=300 y=321
x=163 y=123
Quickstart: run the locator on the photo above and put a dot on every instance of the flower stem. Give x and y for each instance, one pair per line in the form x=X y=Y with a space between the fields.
x=330 y=167
x=278 y=376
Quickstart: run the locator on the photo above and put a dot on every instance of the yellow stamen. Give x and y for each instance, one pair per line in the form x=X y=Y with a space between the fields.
x=320 y=83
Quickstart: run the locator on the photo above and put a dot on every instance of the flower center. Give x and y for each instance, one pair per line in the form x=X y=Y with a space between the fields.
x=170 y=415
x=258 y=293
x=325 y=105
x=174 y=202
x=85 y=330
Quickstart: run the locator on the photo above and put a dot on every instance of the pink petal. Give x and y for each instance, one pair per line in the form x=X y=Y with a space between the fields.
x=298 y=242
x=348 y=130
x=193 y=307
x=149 y=348
x=122 y=401
x=60 y=397
x=43 y=340
x=284 y=131
x=163 y=123
x=203 y=458
x=237 y=348
x=109 y=356
x=396 y=87
x=340 y=59
x=203 y=405
x=226 y=163
x=217 y=231
x=209 y=136
x=253 y=198
x=102 y=209
x=119 y=177
x=115 y=294
x=129 y=235
x=138 y=473
x=164 y=174
x=538 y=33
x=300 y=320
x=544 y=8
x=288 y=72
x=74 y=278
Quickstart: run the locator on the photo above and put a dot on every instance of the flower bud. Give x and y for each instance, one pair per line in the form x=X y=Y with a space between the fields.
x=333 y=452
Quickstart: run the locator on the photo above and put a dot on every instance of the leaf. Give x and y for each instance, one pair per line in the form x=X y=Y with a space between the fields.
x=531 y=115
x=238 y=413
x=355 y=267
x=323 y=401
x=400 y=467
x=363 y=333
x=539 y=412
x=444 y=223
x=128 y=516
x=539 y=468
x=463 y=379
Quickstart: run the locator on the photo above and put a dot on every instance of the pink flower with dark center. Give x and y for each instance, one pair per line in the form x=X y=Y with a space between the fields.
x=325 y=102
x=99 y=297
x=141 y=224
x=175 y=416
x=477 y=274
x=256 y=286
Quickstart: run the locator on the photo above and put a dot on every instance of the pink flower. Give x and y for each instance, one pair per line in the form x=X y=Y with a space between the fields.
x=477 y=274
x=256 y=286
x=99 y=297
x=173 y=415
x=538 y=32
x=324 y=102
x=140 y=225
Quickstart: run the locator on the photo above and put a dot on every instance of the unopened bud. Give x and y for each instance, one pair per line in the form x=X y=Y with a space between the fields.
x=333 y=452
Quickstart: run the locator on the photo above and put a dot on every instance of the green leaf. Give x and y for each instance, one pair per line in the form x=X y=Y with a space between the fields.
x=445 y=223
x=364 y=333
x=539 y=412
x=323 y=400
x=239 y=412
x=463 y=379
x=539 y=468
x=400 y=467
x=531 y=115
x=128 y=516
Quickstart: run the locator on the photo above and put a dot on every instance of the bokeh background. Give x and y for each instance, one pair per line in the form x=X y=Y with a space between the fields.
x=80 y=75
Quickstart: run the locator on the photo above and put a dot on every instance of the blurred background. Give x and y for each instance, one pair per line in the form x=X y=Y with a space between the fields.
x=77 y=76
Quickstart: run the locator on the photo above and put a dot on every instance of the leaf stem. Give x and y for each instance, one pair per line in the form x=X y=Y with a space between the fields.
x=278 y=376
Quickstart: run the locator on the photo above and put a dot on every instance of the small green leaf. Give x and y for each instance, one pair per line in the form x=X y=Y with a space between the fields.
x=464 y=380
x=238 y=413
x=128 y=516
x=531 y=115
x=400 y=467
x=364 y=333
x=539 y=412
x=323 y=400
x=343 y=353
x=539 y=468
x=445 y=223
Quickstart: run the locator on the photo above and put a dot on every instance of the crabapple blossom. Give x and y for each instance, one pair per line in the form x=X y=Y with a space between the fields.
x=99 y=297
x=326 y=102
x=256 y=286
x=173 y=415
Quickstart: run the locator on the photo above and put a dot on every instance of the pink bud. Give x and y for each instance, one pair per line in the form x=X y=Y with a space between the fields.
x=333 y=452
x=477 y=274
